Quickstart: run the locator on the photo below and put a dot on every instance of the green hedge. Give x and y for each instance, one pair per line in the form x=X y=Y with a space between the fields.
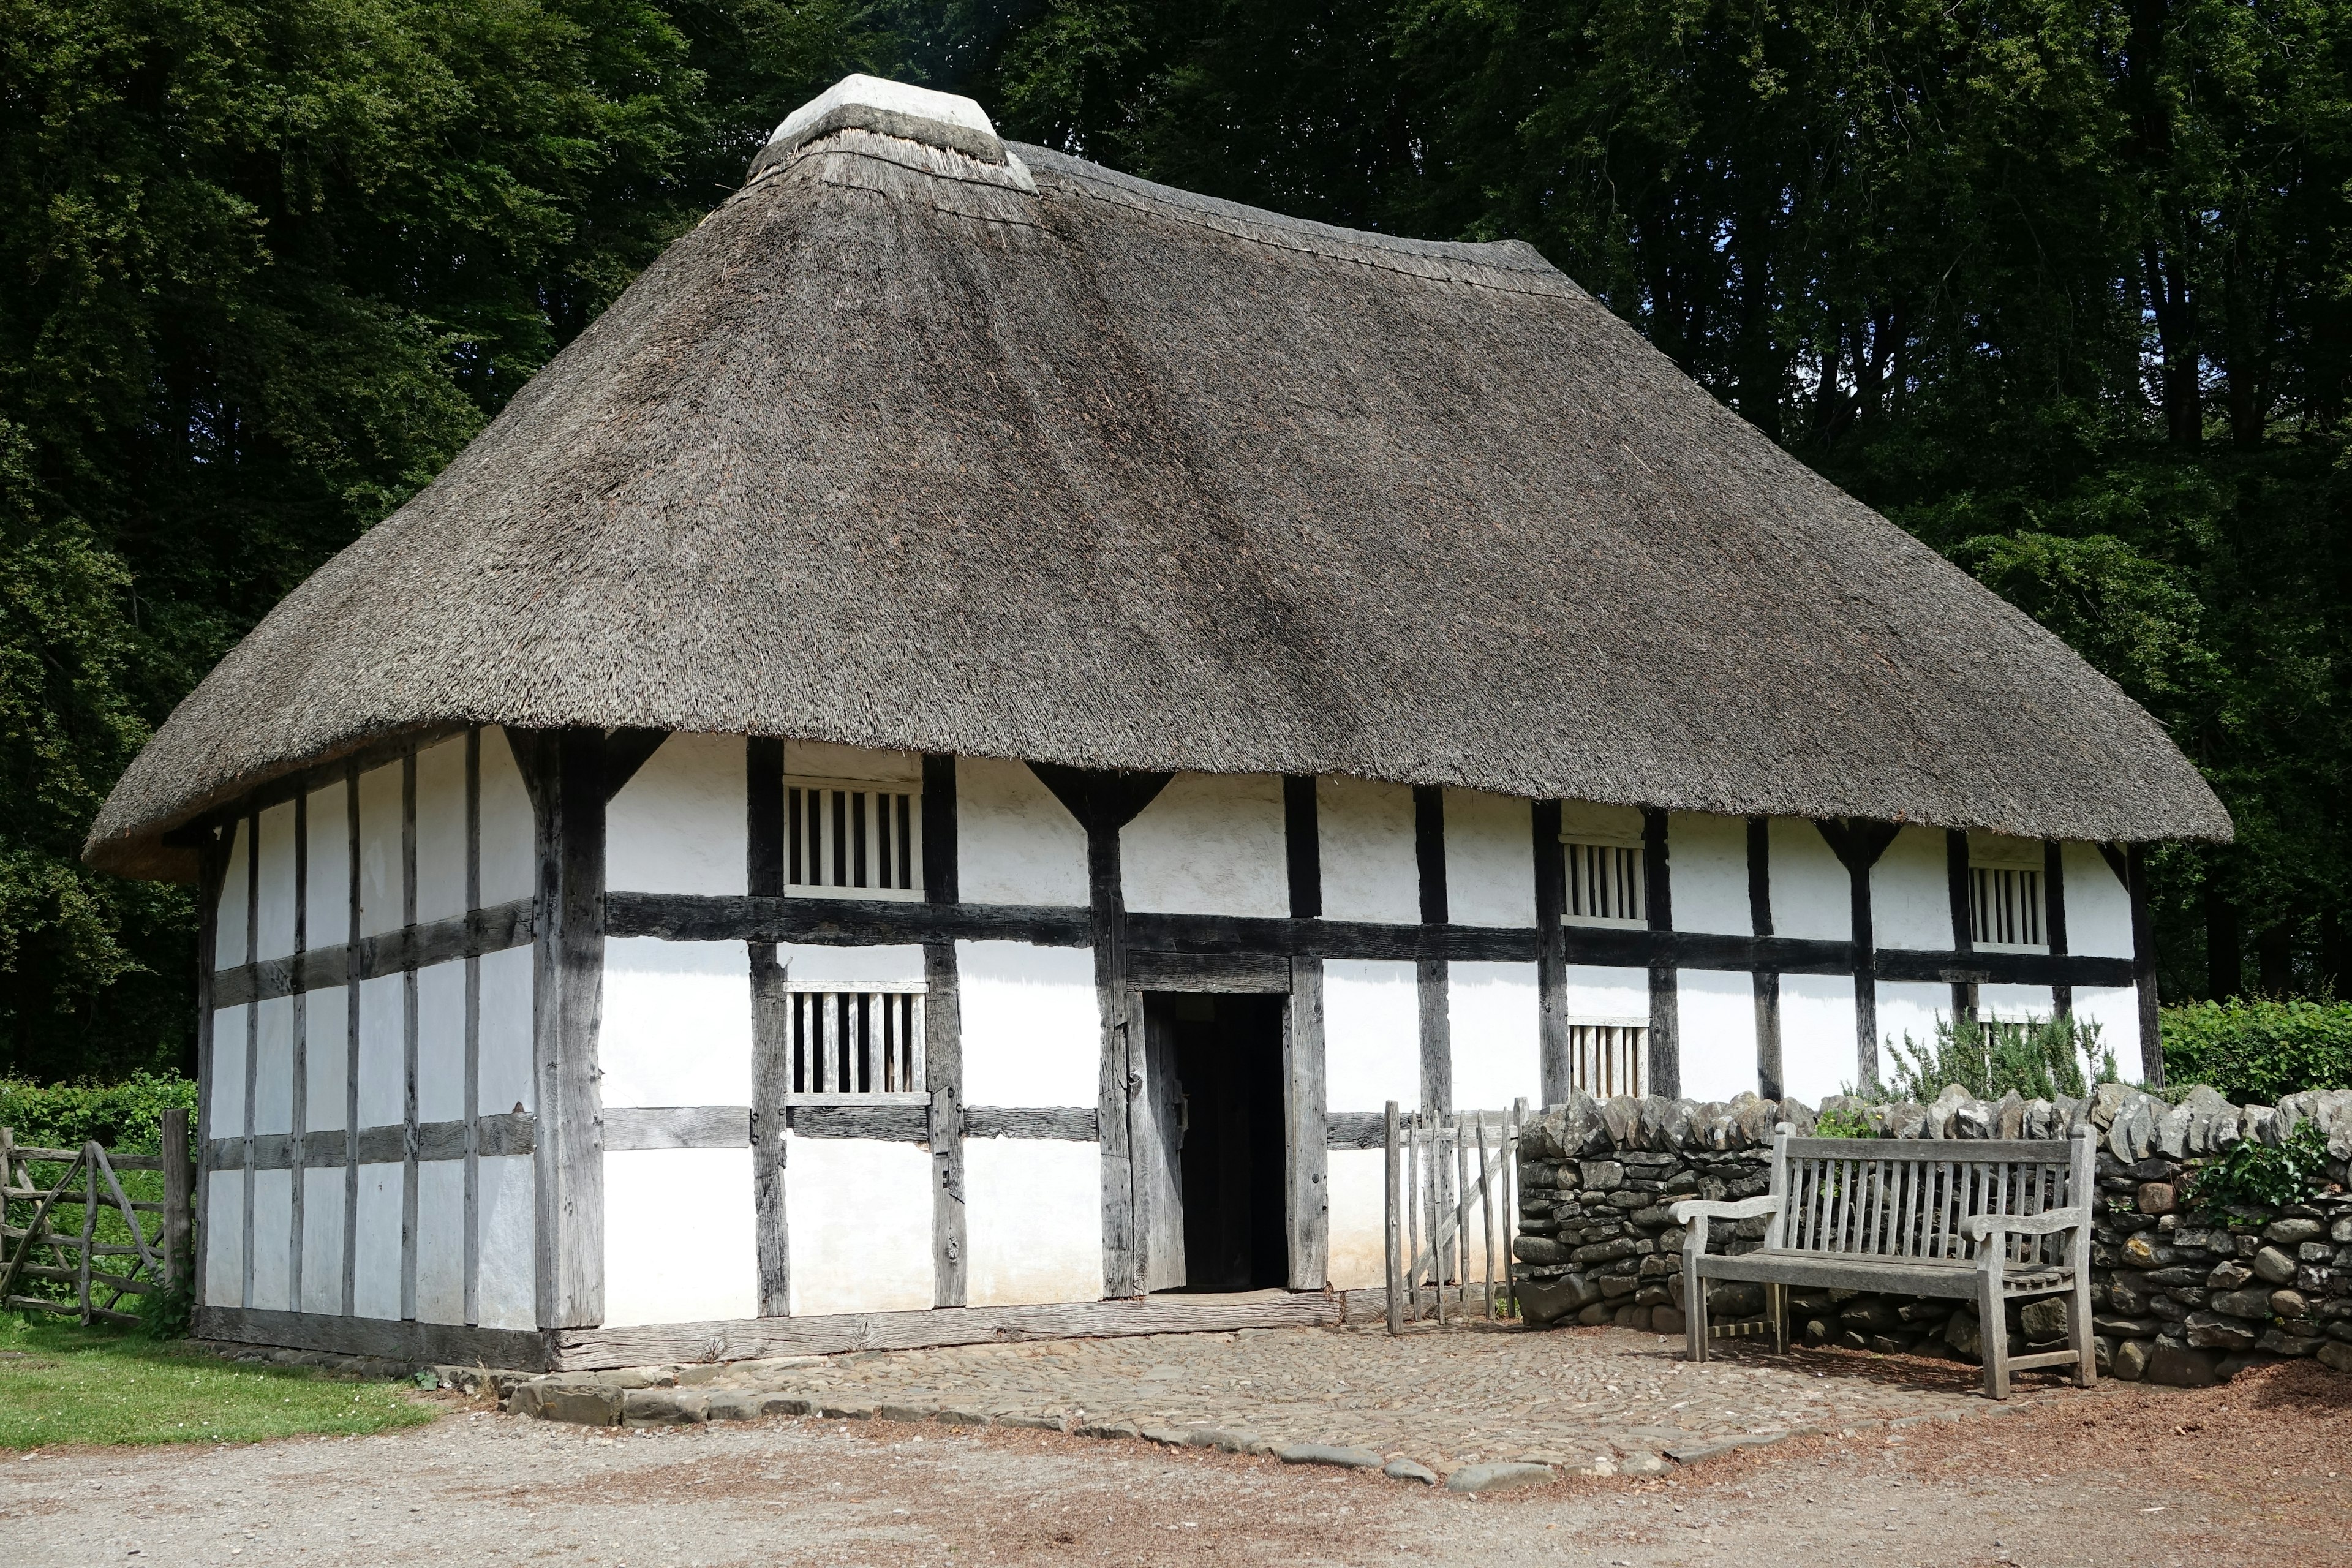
x=2259 y=1051
x=121 y=1116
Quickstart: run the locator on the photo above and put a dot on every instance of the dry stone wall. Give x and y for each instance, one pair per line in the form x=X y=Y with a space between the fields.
x=2182 y=1294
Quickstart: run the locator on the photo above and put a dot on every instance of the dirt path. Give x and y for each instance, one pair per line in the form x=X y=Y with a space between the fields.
x=2253 y=1472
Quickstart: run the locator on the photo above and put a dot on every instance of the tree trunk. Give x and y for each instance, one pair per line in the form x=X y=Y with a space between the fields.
x=2224 y=967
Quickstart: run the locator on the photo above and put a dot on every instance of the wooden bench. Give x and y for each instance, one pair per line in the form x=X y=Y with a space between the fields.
x=1991 y=1221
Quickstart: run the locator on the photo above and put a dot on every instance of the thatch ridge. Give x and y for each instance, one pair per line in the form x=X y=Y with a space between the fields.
x=894 y=449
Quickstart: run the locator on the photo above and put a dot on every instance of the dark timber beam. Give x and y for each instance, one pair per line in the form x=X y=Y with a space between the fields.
x=567 y=771
x=1552 y=953
x=944 y=1039
x=1432 y=978
x=1769 y=1068
x=2053 y=900
x=763 y=872
x=1858 y=845
x=1665 y=1000
x=1104 y=803
x=1956 y=889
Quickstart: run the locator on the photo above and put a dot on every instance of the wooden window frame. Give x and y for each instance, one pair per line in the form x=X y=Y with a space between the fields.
x=852 y=849
x=908 y=1066
x=1622 y=882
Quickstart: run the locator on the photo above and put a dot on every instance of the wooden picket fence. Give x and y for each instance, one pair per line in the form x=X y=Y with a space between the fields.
x=1443 y=1168
x=92 y=1185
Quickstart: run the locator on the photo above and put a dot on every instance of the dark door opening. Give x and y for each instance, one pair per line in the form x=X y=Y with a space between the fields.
x=1215 y=1080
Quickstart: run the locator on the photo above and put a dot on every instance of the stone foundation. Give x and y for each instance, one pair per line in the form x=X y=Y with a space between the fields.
x=2180 y=1295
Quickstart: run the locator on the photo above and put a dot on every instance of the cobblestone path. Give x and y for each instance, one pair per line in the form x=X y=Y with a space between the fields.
x=1591 y=1399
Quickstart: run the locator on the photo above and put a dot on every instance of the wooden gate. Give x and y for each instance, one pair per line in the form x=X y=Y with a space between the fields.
x=1443 y=1169
x=156 y=1257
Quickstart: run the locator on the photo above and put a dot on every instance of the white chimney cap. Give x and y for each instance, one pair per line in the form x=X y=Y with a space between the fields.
x=893 y=109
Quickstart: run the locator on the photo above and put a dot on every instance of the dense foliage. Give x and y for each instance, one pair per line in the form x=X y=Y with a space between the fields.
x=2262 y=1176
x=2059 y=284
x=2042 y=1059
x=125 y=1117
x=2255 y=1052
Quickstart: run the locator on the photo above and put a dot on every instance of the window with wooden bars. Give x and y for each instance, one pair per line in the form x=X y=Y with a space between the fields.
x=1604 y=884
x=2005 y=906
x=849 y=838
x=1608 y=1056
x=853 y=1045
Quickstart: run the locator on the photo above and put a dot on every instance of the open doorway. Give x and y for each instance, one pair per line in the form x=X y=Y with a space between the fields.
x=1212 y=1186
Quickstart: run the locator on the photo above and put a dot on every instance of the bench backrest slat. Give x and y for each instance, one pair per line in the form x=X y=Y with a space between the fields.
x=1888 y=1197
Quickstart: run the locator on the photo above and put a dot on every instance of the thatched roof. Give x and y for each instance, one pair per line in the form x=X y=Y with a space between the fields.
x=916 y=441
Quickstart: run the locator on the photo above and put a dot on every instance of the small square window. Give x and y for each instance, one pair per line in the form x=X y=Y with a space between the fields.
x=854 y=1045
x=1604 y=884
x=2005 y=894
x=1608 y=1056
x=853 y=838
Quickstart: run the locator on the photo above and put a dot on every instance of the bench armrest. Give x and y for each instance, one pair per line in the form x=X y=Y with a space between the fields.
x=1987 y=1225
x=1690 y=1209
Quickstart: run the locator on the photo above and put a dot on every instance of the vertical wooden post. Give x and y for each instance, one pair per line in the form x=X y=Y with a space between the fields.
x=1391 y=1229
x=1551 y=956
x=472 y=1109
x=1306 y=1129
x=1486 y=1211
x=943 y=1037
x=1665 y=1065
x=1410 y=1198
x=763 y=839
x=1955 y=880
x=179 y=1195
x=1770 y=1077
x=2143 y=924
x=89 y=1224
x=409 y=1192
x=2053 y=895
x=1436 y=1228
x=1462 y=1209
x=567 y=1002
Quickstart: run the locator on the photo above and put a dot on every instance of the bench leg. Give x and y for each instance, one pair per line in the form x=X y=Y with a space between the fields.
x=2078 y=1329
x=1693 y=1315
x=1992 y=1326
x=1775 y=1302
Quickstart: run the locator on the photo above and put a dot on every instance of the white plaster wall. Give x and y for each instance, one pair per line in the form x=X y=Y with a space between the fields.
x=228 y=942
x=1911 y=892
x=1811 y=896
x=224 y=1238
x=2015 y=1004
x=1817 y=1032
x=383 y=1066
x=273 y=1240
x=276 y=931
x=1596 y=992
x=323 y=1240
x=504 y=1292
x=1033 y=1221
x=441 y=830
x=1490 y=861
x=1497 y=1054
x=2098 y=909
x=1358 y=1211
x=823 y=760
x=510 y=852
x=1015 y=842
x=375 y=1275
x=842 y=1197
x=506 y=1039
x=224 y=1110
x=273 y=1067
x=679 y=824
x=1371 y=1035
x=1208 y=844
x=1909 y=1007
x=2116 y=1010
x=681 y=1238
x=380 y=853
x=441 y=1042
x=1706 y=863
x=678 y=1023
x=1365 y=835
x=441 y=1241
x=1032 y=1026
x=1716 y=1014
x=327 y=909
x=811 y=964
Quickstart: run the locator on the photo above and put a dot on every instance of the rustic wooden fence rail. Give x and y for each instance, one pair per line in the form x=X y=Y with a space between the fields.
x=1435 y=1185
x=91 y=1183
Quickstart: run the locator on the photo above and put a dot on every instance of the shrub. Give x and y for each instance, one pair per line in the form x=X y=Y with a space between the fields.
x=2258 y=1052
x=2256 y=1175
x=126 y=1116
x=2040 y=1058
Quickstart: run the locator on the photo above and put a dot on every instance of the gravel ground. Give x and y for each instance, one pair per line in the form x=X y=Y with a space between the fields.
x=2251 y=1472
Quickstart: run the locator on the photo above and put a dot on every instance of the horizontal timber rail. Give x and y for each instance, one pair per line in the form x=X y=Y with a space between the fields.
x=91 y=1183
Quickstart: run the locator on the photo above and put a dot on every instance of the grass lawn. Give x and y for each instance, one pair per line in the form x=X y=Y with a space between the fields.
x=60 y=1382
